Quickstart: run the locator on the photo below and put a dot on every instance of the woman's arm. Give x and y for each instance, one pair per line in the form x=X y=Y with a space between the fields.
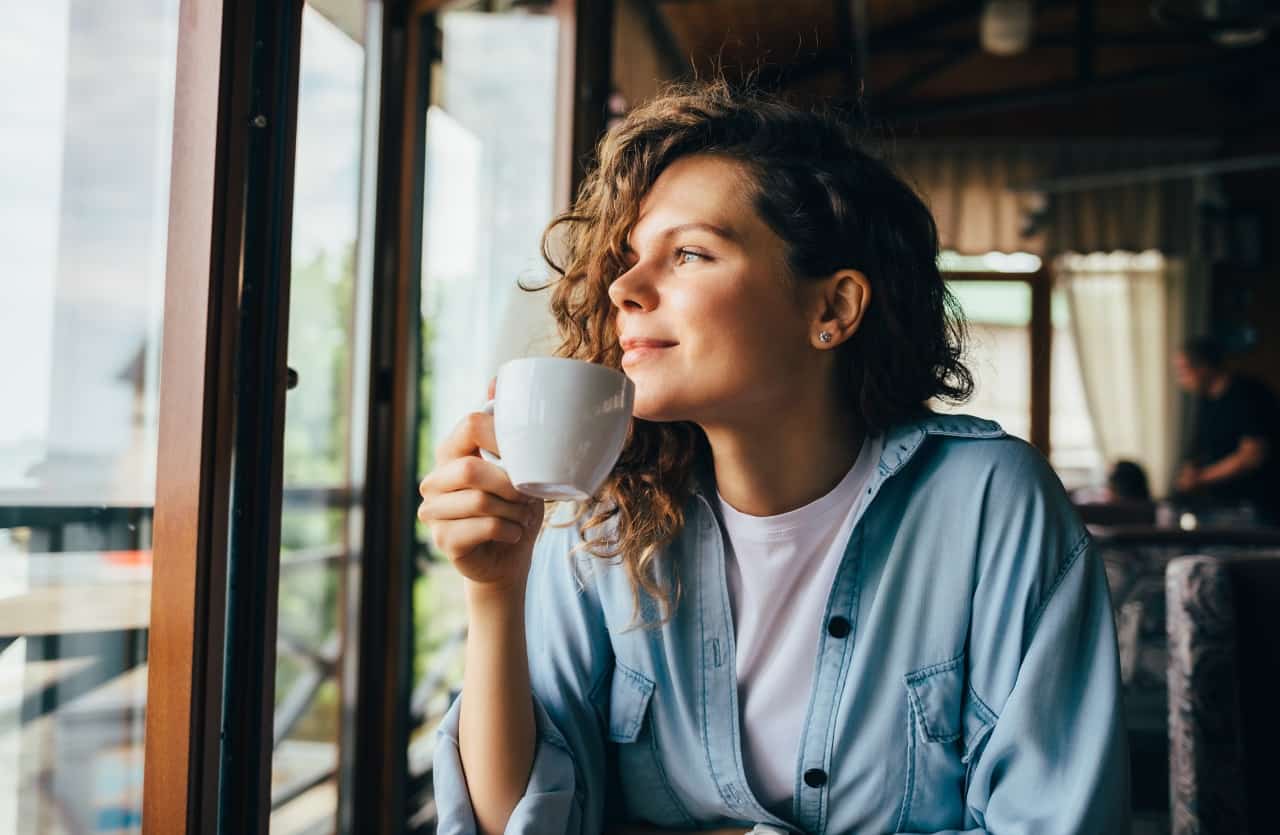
x=568 y=657
x=1056 y=759
x=1050 y=752
x=497 y=735
x=511 y=749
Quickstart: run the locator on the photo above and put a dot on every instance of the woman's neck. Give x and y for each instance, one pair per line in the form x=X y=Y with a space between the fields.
x=783 y=458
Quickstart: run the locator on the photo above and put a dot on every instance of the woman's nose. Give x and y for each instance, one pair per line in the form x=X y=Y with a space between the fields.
x=633 y=290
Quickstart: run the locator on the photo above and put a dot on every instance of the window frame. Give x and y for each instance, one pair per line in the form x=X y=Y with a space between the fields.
x=1040 y=343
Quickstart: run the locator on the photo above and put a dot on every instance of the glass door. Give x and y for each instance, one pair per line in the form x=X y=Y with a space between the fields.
x=490 y=134
x=324 y=434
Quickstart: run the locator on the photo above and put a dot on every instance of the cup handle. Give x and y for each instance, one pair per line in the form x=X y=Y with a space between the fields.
x=484 y=453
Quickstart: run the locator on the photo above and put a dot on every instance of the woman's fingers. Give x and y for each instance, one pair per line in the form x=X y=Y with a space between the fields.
x=459 y=537
x=467 y=504
x=470 y=473
x=472 y=434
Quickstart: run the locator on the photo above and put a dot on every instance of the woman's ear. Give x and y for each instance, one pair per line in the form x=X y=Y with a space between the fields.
x=841 y=303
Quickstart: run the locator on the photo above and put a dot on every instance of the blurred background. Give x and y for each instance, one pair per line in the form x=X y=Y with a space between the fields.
x=1106 y=181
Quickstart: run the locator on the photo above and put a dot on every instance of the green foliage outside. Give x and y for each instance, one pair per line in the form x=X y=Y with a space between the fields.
x=317 y=427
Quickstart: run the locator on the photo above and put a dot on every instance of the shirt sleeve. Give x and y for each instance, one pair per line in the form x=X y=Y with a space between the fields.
x=1053 y=756
x=1056 y=759
x=570 y=656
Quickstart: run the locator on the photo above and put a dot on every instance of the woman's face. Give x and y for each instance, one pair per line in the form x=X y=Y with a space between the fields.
x=711 y=325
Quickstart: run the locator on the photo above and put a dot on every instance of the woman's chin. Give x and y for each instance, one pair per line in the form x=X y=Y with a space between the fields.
x=655 y=410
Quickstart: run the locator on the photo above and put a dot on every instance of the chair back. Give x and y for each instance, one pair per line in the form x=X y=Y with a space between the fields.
x=1223 y=619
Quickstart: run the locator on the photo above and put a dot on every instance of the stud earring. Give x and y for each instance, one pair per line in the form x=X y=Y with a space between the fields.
x=825 y=336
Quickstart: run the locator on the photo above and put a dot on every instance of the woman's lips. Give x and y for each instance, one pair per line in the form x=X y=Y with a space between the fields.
x=637 y=350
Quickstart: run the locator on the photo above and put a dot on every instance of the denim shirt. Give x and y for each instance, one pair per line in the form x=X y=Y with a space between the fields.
x=966 y=675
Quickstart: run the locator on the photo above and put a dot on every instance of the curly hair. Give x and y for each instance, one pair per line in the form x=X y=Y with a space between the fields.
x=833 y=204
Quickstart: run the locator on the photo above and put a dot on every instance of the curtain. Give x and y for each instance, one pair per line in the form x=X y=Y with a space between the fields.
x=1129 y=314
x=980 y=199
x=1131 y=217
x=970 y=190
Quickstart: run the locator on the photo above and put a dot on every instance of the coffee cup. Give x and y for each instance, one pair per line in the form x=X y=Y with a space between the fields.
x=560 y=424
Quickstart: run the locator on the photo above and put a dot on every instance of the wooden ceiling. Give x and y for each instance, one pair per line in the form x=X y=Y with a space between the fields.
x=919 y=62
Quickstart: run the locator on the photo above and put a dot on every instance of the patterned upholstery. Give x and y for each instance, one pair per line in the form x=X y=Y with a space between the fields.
x=1223 y=614
x=1206 y=752
x=1135 y=574
x=1136 y=566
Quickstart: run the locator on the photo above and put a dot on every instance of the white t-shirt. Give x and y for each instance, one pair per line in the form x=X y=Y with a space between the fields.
x=780 y=570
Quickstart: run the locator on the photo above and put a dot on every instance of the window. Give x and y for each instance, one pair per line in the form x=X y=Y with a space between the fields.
x=1040 y=401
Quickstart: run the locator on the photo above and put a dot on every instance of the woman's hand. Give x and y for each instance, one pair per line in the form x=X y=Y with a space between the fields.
x=476 y=517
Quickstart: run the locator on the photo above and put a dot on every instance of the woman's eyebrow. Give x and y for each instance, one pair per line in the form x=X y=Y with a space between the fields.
x=719 y=231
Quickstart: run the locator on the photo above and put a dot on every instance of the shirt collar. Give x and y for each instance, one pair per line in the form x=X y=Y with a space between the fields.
x=901 y=443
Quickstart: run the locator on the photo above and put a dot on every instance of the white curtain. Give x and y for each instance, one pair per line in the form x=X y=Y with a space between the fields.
x=1129 y=315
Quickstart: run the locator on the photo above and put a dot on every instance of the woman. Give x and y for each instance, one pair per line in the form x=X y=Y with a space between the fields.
x=802 y=601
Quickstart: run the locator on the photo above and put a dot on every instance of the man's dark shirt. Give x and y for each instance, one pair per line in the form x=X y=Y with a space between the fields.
x=1245 y=410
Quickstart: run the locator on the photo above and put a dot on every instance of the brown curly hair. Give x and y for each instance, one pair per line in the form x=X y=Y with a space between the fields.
x=833 y=204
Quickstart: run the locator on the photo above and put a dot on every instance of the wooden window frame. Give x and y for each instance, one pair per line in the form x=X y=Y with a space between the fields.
x=1040 y=345
x=207 y=767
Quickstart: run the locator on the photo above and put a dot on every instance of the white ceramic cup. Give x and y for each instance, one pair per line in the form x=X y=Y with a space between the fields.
x=561 y=425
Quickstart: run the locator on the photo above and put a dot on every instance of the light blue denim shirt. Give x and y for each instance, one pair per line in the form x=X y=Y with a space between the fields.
x=966 y=675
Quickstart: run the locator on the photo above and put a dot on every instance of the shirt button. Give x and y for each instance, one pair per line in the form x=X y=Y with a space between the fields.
x=815 y=778
x=839 y=627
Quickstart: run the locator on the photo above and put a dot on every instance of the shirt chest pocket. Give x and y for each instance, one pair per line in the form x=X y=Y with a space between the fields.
x=947 y=729
x=648 y=793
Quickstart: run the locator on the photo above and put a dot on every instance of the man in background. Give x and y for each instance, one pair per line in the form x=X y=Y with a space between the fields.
x=1233 y=456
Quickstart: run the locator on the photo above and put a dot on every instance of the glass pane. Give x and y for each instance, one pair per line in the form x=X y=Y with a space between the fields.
x=319 y=528
x=998 y=353
x=86 y=112
x=488 y=194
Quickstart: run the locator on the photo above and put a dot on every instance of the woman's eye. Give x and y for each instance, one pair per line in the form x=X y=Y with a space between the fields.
x=688 y=256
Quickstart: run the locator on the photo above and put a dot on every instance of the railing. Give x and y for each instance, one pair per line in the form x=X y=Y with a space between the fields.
x=128 y=528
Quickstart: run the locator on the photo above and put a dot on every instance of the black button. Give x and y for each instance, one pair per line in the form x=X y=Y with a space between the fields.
x=839 y=627
x=815 y=778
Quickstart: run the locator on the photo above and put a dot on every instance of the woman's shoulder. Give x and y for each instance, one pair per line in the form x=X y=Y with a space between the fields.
x=997 y=491
x=964 y=448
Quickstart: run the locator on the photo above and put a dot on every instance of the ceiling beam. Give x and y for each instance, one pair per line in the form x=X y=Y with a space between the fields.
x=842 y=14
x=921 y=73
x=675 y=63
x=911 y=35
x=926 y=22
x=1085 y=38
x=844 y=58
x=1255 y=60
x=861 y=22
